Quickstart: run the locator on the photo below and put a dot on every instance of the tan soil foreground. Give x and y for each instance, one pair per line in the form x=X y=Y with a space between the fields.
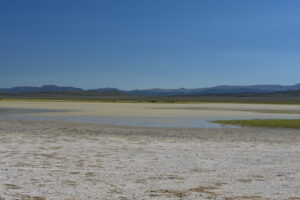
x=68 y=160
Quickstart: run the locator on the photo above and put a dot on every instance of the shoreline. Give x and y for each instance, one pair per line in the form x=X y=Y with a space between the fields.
x=210 y=101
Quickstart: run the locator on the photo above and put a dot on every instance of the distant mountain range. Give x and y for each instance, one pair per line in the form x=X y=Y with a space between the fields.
x=223 y=89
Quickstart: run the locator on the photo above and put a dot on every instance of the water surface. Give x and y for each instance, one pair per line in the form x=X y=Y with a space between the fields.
x=29 y=114
x=140 y=114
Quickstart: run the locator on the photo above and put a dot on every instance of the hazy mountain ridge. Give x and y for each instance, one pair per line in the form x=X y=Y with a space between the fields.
x=222 y=89
x=44 y=88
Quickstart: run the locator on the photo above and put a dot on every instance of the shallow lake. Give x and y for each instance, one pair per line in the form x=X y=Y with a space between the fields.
x=154 y=121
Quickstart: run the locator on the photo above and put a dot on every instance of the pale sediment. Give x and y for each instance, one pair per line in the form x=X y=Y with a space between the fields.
x=68 y=160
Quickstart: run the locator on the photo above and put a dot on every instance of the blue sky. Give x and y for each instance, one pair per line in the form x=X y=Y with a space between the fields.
x=149 y=43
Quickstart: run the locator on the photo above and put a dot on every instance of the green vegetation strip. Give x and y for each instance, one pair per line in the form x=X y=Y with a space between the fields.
x=270 y=123
x=275 y=111
x=232 y=109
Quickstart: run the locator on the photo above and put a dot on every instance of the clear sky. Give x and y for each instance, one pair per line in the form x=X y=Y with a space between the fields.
x=149 y=43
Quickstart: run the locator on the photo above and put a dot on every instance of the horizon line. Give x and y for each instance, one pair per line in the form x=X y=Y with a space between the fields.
x=150 y=88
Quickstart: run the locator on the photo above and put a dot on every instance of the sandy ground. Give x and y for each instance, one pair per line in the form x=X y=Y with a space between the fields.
x=68 y=160
x=90 y=109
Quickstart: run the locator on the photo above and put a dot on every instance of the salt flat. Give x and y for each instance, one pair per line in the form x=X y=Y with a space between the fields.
x=80 y=160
